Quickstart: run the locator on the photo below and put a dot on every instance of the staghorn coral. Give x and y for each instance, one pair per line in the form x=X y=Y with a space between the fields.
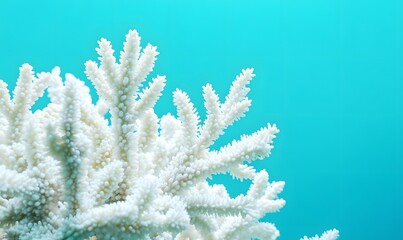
x=330 y=234
x=67 y=173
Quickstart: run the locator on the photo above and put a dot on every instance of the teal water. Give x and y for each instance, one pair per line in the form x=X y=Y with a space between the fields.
x=329 y=73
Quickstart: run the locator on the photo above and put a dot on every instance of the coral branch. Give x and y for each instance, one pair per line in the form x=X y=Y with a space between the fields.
x=328 y=235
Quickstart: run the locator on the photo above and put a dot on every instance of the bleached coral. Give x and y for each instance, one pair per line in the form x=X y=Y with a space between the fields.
x=67 y=173
x=328 y=235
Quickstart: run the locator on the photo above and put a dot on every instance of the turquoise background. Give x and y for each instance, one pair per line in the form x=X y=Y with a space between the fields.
x=329 y=73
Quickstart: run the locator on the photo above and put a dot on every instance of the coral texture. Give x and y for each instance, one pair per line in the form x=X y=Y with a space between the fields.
x=69 y=173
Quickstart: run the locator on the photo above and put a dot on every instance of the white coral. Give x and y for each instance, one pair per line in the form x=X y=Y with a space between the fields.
x=69 y=174
x=328 y=235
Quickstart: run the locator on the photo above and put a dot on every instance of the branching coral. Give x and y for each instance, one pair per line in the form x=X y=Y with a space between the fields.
x=330 y=234
x=69 y=174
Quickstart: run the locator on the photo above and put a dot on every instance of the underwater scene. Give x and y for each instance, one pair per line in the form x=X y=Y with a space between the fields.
x=279 y=119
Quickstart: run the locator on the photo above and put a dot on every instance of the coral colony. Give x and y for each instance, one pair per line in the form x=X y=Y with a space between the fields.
x=66 y=173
